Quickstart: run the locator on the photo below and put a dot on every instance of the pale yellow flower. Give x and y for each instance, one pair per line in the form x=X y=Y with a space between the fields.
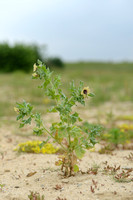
x=16 y=110
x=34 y=74
x=34 y=67
x=85 y=91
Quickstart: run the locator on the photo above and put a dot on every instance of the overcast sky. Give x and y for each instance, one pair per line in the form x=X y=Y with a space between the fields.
x=72 y=29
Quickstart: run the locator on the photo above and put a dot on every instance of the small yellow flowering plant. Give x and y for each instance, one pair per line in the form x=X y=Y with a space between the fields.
x=34 y=147
x=72 y=139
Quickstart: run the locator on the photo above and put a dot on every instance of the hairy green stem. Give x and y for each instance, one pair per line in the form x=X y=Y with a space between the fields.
x=52 y=85
x=55 y=139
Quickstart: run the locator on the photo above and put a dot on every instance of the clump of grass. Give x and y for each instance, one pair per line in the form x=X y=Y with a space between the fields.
x=34 y=147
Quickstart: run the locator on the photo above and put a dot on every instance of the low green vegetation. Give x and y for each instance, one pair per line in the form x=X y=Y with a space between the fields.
x=110 y=82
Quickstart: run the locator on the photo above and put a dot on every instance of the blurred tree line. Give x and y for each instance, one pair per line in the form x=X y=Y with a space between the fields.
x=22 y=57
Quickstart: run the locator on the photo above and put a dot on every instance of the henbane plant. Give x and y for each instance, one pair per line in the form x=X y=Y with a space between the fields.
x=72 y=139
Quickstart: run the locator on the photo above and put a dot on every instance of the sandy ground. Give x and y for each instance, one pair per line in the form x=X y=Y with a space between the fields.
x=14 y=169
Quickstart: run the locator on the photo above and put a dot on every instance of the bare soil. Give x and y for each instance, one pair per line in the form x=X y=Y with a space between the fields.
x=49 y=181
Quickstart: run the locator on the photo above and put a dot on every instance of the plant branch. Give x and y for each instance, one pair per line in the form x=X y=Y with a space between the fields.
x=55 y=139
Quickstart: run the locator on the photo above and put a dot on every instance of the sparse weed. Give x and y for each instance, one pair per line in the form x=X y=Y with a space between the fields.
x=35 y=196
x=111 y=170
x=92 y=189
x=58 y=187
x=72 y=138
x=129 y=157
x=92 y=170
x=59 y=198
x=124 y=176
x=93 y=186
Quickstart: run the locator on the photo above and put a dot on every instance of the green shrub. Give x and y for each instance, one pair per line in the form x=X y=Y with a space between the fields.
x=54 y=62
x=18 y=57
